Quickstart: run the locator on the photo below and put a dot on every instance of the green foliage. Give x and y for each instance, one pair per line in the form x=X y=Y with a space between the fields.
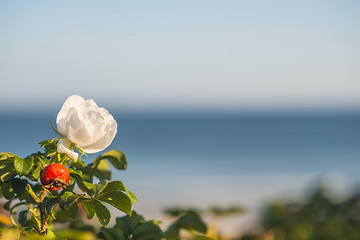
x=19 y=183
x=191 y=222
x=23 y=166
x=178 y=211
x=226 y=211
x=102 y=213
x=115 y=157
x=132 y=227
x=316 y=218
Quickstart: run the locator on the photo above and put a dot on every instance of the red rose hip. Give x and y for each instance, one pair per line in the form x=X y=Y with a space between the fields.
x=54 y=177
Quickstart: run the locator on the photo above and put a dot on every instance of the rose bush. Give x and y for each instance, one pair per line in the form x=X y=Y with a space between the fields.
x=35 y=212
x=85 y=126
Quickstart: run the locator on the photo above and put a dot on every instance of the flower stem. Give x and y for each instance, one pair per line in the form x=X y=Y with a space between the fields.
x=43 y=217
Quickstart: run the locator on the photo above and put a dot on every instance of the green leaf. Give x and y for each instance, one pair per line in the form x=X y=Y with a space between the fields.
x=71 y=212
x=173 y=232
x=116 y=157
x=132 y=197
x=71 y=182
x=114 y=186
x=6 y=206
x=30 y=191
x=75 y=234
x=50 y=147
x=119 y=186
x=49 y=203
x=7 y=172
x=89 y=209
x=101 y=170
x=102 y=212
x=77 y=172
x=128 y=224
x=190 y=222
x=6 y=158
x=80 y=225
x=118 y=200
x=45 y=162
x=94 y=189
x=67 y=199
x=111 y=234
x=22 y=219
x=34 y=174
x=30 y=231
x=103 y=165
x=7 y=190
x=50 y=234
x=19 y=185
x=135 y=227
x=23 y=166
x=12 y=211
x=81 y=183
x=44 y=143
x=102 y=174
x=77 y=164
x=148 y=230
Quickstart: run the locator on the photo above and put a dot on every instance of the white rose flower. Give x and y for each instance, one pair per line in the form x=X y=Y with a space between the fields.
x=85 y=125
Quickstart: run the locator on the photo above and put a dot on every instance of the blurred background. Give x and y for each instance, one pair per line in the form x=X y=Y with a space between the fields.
x=217 y=102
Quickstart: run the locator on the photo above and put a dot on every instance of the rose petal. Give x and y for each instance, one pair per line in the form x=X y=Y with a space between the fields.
x=90 y=103
x=105 y=140
x=63 y=146
x=78 y=130
x=73 y=101
x=96 y=120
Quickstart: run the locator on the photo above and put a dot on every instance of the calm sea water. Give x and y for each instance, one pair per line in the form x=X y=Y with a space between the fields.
x=214 y=144
x=188 y=159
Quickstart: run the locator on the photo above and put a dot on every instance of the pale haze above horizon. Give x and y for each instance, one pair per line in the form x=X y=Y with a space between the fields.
x=179 y=55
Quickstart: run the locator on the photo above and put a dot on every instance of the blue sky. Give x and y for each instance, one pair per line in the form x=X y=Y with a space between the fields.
x=181 y=55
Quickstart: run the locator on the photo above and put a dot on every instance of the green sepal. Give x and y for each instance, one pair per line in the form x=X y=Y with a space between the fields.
x=55 y=129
